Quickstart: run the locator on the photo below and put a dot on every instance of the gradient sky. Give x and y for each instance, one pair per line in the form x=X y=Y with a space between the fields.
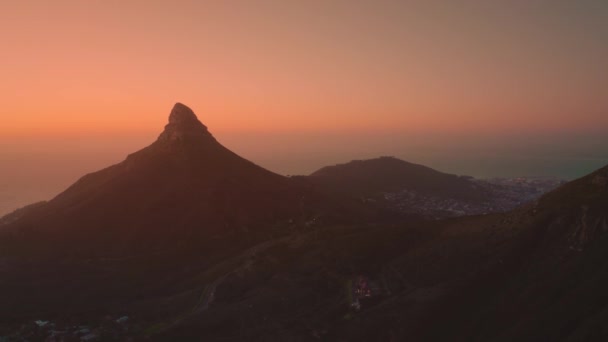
x=487 y=88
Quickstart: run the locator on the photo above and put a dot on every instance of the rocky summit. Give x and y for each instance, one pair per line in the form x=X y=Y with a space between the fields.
x=183 y=125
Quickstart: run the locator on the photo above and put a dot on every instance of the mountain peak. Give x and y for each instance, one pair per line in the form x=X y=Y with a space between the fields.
x=181 y=114
x=183 y=124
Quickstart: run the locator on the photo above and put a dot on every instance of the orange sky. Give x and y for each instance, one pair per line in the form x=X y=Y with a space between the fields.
x=98 y=66
x=281 y=79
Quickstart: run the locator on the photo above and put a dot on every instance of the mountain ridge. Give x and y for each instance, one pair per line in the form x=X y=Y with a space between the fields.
x=185 y=184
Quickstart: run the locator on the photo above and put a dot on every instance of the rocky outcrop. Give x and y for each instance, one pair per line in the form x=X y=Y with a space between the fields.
x=184 y=125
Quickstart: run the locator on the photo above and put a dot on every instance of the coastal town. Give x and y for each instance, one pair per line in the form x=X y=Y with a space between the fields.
x=107 y=329
x=503 y=194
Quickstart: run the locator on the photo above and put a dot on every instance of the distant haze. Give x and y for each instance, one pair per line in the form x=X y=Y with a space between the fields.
x=485 y=88
x=33 y=172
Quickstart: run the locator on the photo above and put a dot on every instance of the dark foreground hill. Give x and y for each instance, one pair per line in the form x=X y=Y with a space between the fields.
x=535 y=274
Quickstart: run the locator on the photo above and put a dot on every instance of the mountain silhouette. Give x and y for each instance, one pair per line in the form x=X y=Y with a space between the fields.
x=197 y=243
x=388 y=174
x=184 y=186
